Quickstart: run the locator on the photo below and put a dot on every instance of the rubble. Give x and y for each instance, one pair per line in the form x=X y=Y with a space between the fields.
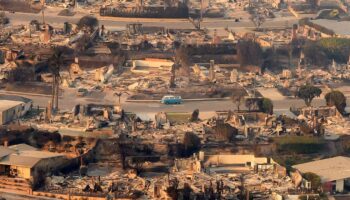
x=147 y=154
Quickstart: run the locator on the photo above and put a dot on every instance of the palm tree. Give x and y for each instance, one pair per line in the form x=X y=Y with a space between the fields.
x=55 y=63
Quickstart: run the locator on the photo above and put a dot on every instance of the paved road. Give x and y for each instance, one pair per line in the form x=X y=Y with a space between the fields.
x=120 y=23
x=69 y=99
x=147 y=110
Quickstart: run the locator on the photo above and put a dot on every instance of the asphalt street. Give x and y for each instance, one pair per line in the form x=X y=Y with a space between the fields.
x=120 y=23
x=69 y=99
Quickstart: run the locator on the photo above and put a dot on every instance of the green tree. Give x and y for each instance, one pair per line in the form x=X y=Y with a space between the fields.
x=337 y=99
x=308 y=93
x=249 y=52
x=327 y=49
x=314 y=179
x=267 y=106
x=314 y=53
x=88 y=23
x=336 y=48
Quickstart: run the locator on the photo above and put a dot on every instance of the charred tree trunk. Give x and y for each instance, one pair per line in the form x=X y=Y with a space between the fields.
x=53 y=93
x=57 y=87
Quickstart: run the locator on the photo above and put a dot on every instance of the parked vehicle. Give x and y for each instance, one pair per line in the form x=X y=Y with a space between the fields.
x=170 y=99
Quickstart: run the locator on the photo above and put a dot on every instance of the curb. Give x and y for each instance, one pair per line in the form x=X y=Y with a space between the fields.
x=158 y=101
x=25 y=94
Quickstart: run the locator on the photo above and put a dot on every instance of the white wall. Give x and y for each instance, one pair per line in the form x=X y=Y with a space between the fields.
x=235 y=159
x=14 y=112
x=339 y=185
x=153 y=63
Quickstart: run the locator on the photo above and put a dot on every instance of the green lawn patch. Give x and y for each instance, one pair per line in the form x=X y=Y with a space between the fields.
x=299 y=144
x=178 y=117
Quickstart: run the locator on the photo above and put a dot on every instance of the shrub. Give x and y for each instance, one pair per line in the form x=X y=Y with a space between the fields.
x=299 y=144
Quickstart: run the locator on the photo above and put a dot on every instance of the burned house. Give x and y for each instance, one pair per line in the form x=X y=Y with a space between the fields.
x=333 y=172
x=24 y=161
x=12 y=107
x=324 y=111
x=179 y=10
x=23 y=63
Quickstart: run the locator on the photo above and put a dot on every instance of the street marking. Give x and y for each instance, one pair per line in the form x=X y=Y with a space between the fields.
x=154 y=106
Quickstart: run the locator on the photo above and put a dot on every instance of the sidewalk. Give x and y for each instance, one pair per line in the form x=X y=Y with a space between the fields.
x=25 y=94
x=157 y=101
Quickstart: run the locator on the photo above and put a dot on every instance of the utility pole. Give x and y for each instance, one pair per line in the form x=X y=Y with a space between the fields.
x=53 y=92
x=201 y=13
x=254 y=87
x=42 y=10
x=57 y=88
